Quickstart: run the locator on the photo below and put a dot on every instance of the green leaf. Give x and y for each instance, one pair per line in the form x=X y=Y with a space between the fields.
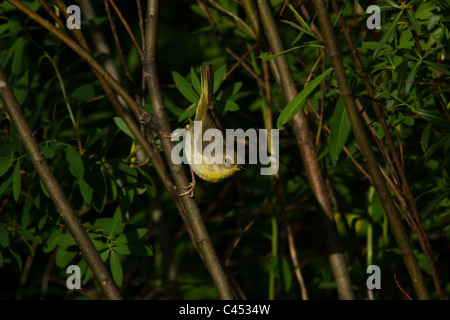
x=185 y=88
x=48 y=152
x=110 y=225
x=99 y=245
x=64 y=257
x=75 y=162
x=219 y=76
x=17 y=62
x=436 y=118
x=231 y=106
x=230 y=93
x=266 y=56
x=388 y=35
x=43 y=188
x=116 y=268
x=286 y=274
x=26 y=216
x=29 y=235
x=186 y=114
x=433 y=21
x=392 y=4
x=5 y=164
x=423 y=262
x=441 y=67
x=116 y=224
x=104 y=255
x=436 y=145
x=87 y=276
x=430 y=208
x=26 y=248
x=84 y=92
x=196 y=82
x=97 y=180
x=16 y=261
x=424 y=11
x=406 y=40
x=122 y=126
x=93 y=138
x=425 y=140
x=299 y=100
x=151 y=188
x=16 y=181
x=122 y=249
x=411 y=77
x=130 y=236
x=340 y=128
x=63 y=240
x=5 y=184
x=86 y=190
x=413 y=20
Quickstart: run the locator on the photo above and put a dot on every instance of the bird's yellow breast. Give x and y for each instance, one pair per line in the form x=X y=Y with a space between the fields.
x=214 y=173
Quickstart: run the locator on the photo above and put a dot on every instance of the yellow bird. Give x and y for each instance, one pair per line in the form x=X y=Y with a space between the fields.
x=213 y=172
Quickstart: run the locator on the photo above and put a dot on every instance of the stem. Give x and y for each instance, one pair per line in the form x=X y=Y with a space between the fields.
x=55 y=191
x=200 y=235
x=134 y=106
x=360 y=133
x=406 y=198
x=274 y=240
x=308 y=151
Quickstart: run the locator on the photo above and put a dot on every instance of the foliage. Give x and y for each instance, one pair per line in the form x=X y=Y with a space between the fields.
x=123 y=205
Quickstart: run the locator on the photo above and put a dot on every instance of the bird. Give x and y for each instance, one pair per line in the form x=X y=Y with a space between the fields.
x=214 y=172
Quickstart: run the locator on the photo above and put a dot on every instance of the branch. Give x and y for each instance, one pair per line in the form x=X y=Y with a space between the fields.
x=149 y=148
x=194 y=218
x=134 y=106
x=370 y=160
x=105 y=80
x=308 y=151
x=407 y=199
x=60 y=200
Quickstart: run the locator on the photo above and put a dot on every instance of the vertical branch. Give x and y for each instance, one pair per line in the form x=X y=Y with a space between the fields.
x=149 y=147
x=309 y=154
x=406 y=198
x=111 y=87
x=55 y=191
x=193 y=216
x=360 y=133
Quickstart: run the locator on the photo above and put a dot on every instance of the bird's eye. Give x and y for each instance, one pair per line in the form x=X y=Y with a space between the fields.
x=227 y=161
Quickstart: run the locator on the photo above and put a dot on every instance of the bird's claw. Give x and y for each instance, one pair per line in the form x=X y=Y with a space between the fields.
x=190 y=190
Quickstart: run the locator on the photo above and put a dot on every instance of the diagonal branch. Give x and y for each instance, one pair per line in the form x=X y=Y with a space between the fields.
x=206 y=250
x=370 y=160
x=55 y=191
x=406 y=197
x=309 y=154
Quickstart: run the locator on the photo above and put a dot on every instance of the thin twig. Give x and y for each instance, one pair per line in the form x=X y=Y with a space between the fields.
x=309 y=154
x=62 y=204
x=118 y=45
x=200 y=235
x=405 y=195
x=127 y=27
x=360 y=133
x=235 y=17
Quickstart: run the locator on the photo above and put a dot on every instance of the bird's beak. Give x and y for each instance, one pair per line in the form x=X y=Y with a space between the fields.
x=241 y=167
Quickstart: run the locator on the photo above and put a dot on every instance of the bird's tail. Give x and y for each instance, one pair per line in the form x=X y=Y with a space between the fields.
x=206 y=98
